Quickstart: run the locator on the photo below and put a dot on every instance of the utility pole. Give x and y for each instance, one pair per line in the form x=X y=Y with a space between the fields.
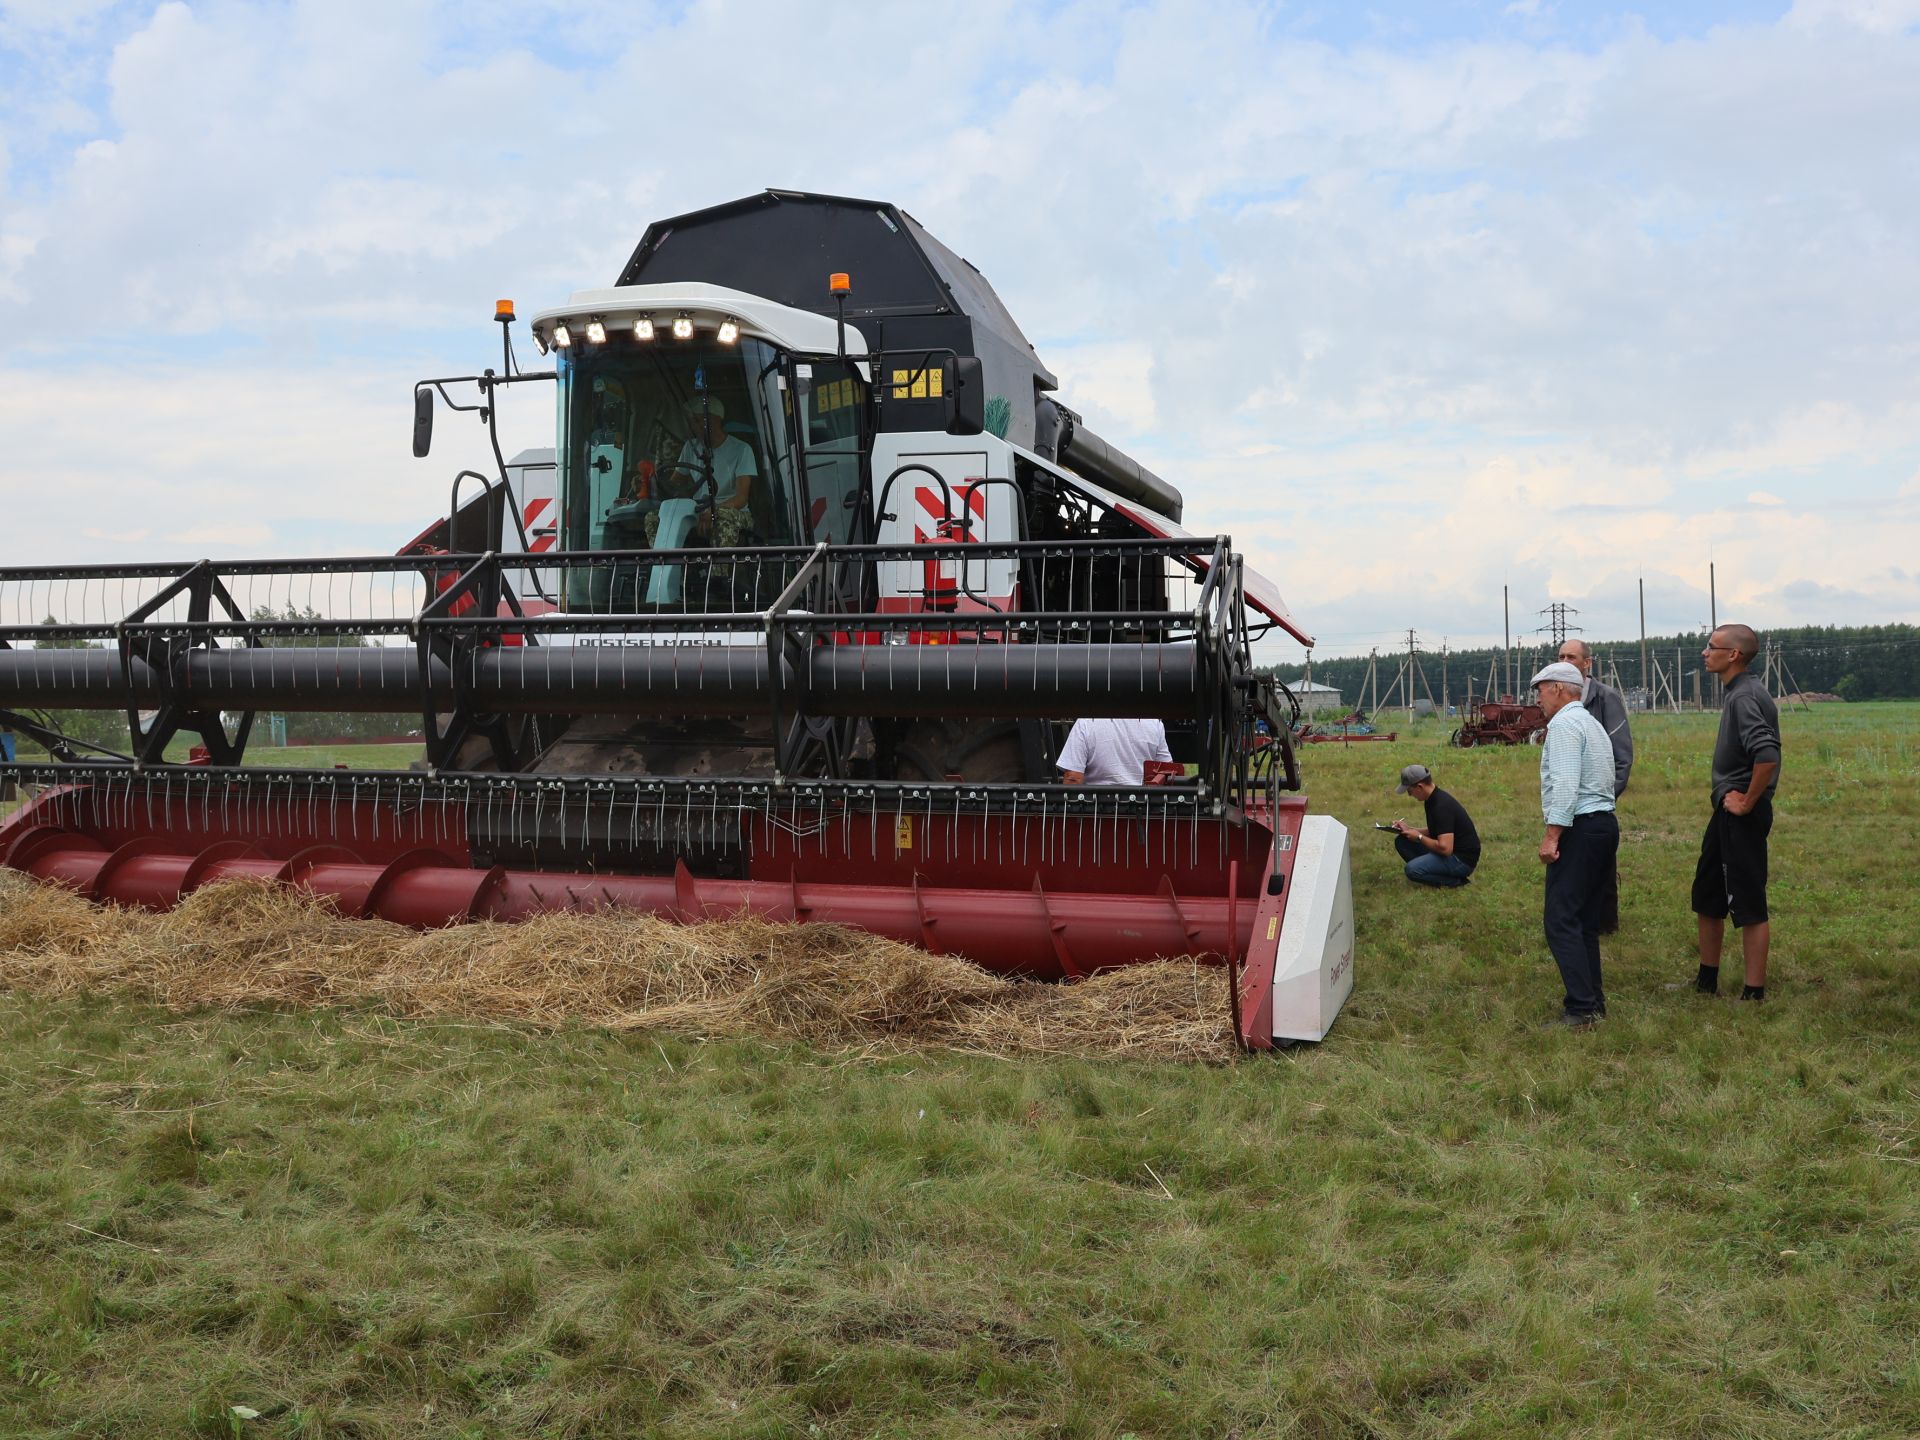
x=1506 y=638
x=1410 y=645
x=1713 y=600
x=1444 y=696
x=1643 y=640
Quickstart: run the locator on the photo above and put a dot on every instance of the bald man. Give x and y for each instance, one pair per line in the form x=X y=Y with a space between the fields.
x=1730 y=880
x=1605 y=704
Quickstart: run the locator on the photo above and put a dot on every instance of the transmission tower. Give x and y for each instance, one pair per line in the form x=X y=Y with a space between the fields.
x=1557 y=625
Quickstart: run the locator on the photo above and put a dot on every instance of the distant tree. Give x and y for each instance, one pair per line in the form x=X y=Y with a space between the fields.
x=59 y=642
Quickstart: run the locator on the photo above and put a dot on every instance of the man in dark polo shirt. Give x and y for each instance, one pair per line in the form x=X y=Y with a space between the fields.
x=1731 y=878
x=1446 y=850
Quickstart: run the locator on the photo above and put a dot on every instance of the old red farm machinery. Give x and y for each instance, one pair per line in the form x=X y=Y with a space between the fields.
x=1501 y=722
x=791 y=622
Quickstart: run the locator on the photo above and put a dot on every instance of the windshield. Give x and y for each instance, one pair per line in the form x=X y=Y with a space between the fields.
x=670 y=444
x=691 y=444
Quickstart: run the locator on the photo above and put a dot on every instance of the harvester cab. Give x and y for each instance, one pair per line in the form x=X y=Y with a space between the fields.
x=792 y=623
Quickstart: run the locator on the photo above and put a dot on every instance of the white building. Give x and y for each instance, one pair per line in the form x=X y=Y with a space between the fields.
x=1315 y=698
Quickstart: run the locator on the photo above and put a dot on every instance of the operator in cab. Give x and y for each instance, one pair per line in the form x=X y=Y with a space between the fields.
x=709 y=452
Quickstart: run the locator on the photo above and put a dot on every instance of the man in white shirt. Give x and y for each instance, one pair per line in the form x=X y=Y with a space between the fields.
x=729 y=460
x=1112 y=752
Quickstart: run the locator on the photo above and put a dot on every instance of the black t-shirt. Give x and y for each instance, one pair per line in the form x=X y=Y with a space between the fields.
x=1447 y=816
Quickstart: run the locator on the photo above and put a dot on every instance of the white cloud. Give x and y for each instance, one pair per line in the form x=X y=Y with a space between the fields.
x=1882 y=17
x=1555 y=309
x=233 y=459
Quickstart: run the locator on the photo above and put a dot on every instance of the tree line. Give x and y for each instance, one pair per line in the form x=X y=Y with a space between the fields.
x=1855 y=662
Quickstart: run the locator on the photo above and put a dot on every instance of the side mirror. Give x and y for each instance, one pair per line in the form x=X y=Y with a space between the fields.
x=967 y=394
x=422 y=421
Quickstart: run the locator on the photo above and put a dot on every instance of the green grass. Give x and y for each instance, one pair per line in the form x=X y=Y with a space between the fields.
x=1701 y=1220
x=320 y=757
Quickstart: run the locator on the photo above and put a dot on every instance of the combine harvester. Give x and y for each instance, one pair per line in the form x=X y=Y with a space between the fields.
x=791 y=623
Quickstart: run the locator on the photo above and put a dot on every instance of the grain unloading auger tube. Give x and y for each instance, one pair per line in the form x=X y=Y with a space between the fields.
x=793 y=789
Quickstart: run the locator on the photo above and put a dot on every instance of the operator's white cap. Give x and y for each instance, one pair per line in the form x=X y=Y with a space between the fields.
x=1561 y=672
x=705 y=404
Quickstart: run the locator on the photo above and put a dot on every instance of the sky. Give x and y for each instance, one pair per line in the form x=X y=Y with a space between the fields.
x=1415 y=301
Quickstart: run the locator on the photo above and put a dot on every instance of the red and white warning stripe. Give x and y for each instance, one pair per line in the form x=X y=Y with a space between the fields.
x=932 y=523
x=539 y=538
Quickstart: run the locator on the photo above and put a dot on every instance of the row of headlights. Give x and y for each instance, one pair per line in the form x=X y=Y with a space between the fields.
x=643 y=329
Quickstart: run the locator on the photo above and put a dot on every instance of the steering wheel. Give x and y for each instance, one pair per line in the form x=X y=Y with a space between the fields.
x=702 y=476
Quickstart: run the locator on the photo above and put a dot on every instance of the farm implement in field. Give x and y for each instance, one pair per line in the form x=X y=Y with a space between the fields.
x=1350 y=728
x=785 y=626
x=1501 y=722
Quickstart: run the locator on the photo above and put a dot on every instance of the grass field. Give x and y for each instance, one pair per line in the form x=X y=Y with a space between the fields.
x=1701 y=1220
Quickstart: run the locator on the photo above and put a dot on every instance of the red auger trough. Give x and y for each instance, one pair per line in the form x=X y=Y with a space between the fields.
x=792 y=621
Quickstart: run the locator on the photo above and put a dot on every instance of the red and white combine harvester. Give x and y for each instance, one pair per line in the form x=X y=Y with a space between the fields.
x=792 y=624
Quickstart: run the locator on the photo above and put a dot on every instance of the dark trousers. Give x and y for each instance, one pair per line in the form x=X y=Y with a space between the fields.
x=1576 y=907
x=1426 y=867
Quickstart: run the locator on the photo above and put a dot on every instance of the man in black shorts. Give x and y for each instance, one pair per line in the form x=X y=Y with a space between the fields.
x=1447 y=850
x=1731 y=878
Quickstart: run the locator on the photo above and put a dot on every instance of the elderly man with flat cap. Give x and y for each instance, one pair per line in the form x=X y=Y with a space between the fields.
x=1609 y=707
x=1605 y=704
x=1582 y=839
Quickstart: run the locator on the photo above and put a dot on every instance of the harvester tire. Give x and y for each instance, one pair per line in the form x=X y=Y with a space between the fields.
x=975 y=749
x=1537 y=737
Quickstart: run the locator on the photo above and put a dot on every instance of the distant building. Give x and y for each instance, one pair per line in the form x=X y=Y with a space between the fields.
x=1315 y=698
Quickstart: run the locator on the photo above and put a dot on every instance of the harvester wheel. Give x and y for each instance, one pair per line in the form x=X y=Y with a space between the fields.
x=974 y=749
x=1537 y=737
x=1459 y=738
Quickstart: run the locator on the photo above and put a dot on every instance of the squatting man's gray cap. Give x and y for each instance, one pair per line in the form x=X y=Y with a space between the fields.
x=1561 y=672
x=1411 y=776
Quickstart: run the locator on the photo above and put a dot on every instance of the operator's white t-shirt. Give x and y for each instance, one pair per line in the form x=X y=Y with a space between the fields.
x=732 y=458
x=1114 y=752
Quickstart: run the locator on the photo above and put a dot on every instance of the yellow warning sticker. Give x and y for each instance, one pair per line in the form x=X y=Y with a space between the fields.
x=1273 y=927
x=923 y=383
x=903 y=833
